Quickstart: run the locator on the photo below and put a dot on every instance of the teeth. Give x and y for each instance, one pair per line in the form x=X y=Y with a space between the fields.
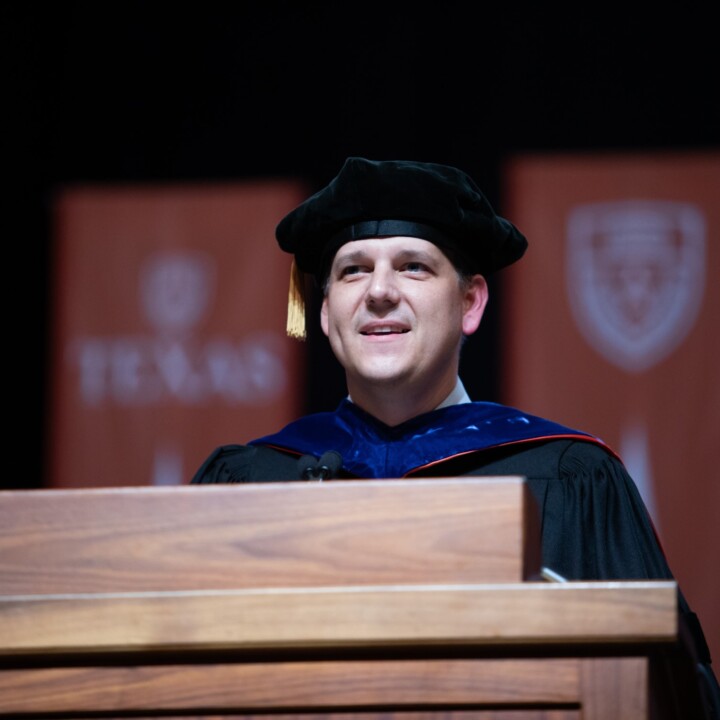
x=383 y=331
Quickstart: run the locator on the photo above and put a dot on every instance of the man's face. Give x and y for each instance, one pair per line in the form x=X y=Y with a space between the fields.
x=395 y=314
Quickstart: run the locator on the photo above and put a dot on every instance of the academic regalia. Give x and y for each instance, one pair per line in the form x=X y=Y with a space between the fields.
x=594 y=525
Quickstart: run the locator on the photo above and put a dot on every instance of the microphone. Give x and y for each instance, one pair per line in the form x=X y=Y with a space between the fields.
x=325 y=468
x=329 y=464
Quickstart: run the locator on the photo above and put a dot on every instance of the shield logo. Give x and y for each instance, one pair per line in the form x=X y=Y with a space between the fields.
x=635 y=275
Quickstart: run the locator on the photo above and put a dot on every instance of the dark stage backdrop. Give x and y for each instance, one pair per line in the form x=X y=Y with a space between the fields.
x=144 y=93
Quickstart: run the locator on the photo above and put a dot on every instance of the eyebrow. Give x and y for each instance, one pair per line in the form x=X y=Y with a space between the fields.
x=350 y=257
x=402 y=256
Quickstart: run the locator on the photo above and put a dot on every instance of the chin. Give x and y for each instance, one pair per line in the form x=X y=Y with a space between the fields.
x=383 y=375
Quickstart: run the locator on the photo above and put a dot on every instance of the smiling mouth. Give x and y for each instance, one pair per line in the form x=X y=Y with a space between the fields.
x=384 y=331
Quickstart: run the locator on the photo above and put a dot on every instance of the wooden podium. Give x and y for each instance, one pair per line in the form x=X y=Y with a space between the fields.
x=412 y=598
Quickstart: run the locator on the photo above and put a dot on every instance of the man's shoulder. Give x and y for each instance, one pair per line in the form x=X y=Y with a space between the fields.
x=542 y=458
x=246 y=463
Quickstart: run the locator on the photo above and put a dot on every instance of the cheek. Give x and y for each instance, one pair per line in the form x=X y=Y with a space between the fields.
x=445 y=306
x=339 y=307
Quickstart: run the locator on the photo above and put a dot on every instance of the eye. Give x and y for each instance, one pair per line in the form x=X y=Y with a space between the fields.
x=350 y=270
x=414 y=268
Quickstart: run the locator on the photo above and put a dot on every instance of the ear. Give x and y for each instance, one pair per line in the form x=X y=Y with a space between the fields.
x=474 y=302
x=324 y=315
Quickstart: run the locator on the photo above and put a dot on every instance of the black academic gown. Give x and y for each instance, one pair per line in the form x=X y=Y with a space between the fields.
x=594 y=525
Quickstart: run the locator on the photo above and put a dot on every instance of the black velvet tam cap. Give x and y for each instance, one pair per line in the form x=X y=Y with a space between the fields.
x=370 y=199
x=394 y=198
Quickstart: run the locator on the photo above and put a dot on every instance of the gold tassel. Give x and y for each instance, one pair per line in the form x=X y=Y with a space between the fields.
x=296 y=326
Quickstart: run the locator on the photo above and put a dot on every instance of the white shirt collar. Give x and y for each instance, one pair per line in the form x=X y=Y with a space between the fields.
x=456 y=397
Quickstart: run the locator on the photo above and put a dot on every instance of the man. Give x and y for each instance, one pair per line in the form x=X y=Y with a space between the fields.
x=401 y=250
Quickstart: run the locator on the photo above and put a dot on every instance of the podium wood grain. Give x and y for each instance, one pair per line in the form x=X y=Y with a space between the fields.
x=401 y=599
x=267 y=535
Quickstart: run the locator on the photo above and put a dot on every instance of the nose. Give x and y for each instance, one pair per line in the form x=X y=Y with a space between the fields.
x=382 y=289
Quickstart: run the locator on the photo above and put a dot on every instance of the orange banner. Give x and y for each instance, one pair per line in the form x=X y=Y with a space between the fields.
x=170 y=307
x=612 y=327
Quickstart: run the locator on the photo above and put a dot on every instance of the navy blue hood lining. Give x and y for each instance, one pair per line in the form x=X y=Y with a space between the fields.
x=371 y=449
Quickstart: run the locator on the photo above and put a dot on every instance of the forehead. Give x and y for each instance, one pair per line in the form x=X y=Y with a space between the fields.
x=398 y=246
